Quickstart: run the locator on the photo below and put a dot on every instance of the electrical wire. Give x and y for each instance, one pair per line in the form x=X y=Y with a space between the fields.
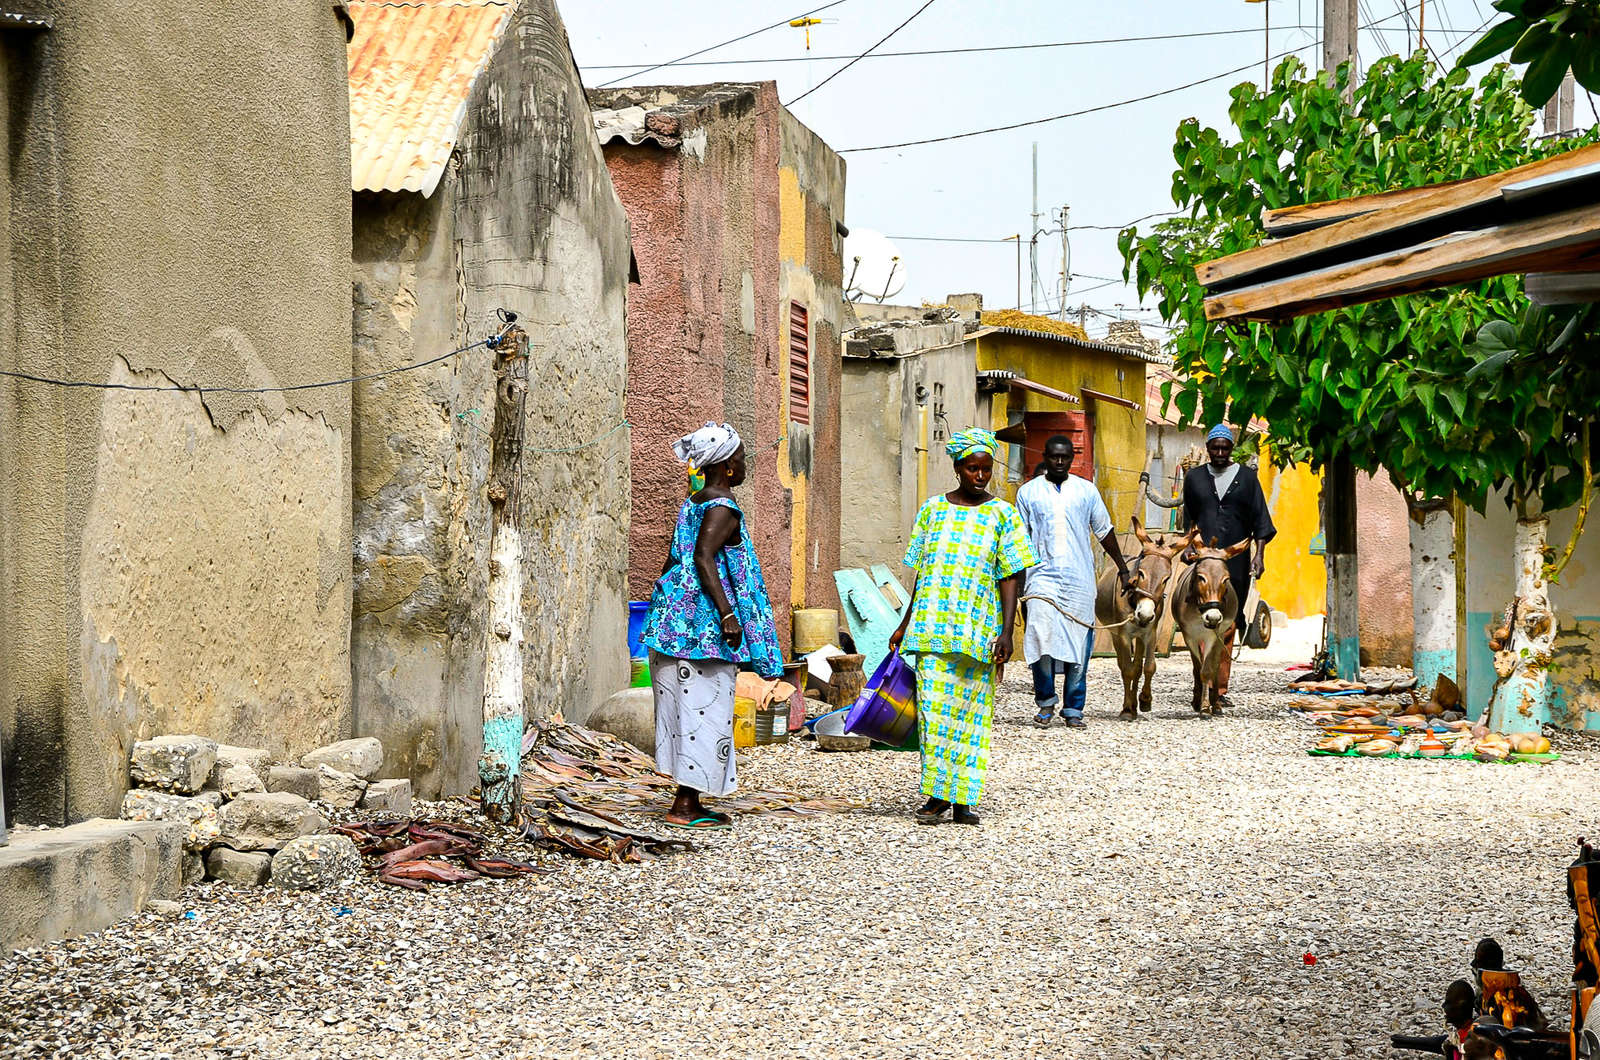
x=863 y=55
x=1087 y=110
x=196 y=389
x=724 y=44
x=947 y=51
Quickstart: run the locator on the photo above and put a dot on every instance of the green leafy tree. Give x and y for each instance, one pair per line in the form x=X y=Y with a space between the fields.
x=1551 y=36
x=1406 y=385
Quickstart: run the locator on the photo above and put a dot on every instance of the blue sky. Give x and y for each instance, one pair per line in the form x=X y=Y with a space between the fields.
x=1109 y=167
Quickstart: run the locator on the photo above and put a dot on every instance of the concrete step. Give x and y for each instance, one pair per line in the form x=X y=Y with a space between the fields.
x=60 y=882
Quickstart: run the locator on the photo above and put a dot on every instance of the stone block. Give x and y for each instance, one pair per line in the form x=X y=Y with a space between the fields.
x=363 y=757
x=174 y=763
x=629 y=715
x=339 y=789
x=61 y=882
x=242 y=868
x=312 y=862
x=256 y=759
x=194 y=867
x=390 y=796
x=198 y=814
x=294 y=779
x=268 y=820
x=234 y=779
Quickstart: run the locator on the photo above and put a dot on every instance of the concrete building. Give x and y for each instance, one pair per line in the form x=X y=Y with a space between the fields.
x=737 y=220
x=914 y=376
x=479 y=184
x=174 y=560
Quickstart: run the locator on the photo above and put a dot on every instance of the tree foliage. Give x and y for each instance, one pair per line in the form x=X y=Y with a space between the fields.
x=1551 y=36
x=1384 y=383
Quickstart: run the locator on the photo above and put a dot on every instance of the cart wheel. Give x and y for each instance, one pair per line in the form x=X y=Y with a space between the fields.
x=1259 y=633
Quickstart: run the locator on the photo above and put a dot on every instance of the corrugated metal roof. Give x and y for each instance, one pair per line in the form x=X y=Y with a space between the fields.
x=412 y=67
x=664 y=115
x=1087 y=344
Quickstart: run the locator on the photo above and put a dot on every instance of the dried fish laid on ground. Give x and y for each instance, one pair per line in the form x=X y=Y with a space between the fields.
x=413 y=853
x=600 y=772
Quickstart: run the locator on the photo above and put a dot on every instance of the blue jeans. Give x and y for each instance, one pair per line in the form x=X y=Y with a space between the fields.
x=1074 y=683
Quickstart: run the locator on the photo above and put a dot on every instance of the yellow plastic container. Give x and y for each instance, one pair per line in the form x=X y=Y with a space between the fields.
x=814 y=627
x=744 y=721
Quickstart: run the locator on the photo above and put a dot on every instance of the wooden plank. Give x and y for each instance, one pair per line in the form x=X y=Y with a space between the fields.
x=1562 y=242
x=1427 y=204
x=1098 y=395
x=1048 y=391
x=1292 y=220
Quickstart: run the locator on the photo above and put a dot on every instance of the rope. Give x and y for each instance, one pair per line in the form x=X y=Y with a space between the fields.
x=1072 y=617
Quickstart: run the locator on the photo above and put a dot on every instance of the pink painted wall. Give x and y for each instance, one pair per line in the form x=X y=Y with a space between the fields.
x=1383 y=556
x=705 y=231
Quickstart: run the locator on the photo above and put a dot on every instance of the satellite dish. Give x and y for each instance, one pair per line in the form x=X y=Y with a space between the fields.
x=873 y=268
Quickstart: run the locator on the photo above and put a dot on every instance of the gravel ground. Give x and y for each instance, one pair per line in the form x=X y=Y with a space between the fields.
x=1144 y=890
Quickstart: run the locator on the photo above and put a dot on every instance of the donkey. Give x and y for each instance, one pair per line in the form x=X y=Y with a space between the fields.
x=1134 y=613
x=1206 y=606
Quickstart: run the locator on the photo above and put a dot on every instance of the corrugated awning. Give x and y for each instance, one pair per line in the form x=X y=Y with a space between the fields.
x=1001 y=380
x=1541 y=217
x=412 y=69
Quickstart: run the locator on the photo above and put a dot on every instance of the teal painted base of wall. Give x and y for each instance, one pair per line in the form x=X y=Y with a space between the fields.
x=1346 y=653
x=1577 y=636
x=1429 y=666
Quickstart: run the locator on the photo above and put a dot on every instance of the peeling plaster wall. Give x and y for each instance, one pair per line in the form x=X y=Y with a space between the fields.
x=705 y=226
x=526 y=220
x=1487 y=582
x=171 y=561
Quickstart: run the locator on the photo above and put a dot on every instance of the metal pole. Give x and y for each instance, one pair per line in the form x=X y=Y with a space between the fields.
x=1066 y=260
x=1422 y=14
x=1033 y=237
x=1018 y=238
x=1266 y=47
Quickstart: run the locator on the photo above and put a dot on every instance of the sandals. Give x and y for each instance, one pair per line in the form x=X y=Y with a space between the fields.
x=931 y=811
x=1044 y=718
x=701 y=824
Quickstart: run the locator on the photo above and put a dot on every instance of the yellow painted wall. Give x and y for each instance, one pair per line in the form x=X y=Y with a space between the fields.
x=1119 y=435
x=792 y=252
x=1295 y=582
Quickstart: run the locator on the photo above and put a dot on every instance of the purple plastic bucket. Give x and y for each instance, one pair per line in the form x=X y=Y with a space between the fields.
x=887 y=709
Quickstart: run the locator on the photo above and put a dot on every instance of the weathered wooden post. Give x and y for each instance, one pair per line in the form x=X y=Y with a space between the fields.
x=1339 y=531
x=502 y=678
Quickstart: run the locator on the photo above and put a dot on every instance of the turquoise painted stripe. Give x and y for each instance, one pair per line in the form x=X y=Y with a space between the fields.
x=1480 y=674
x=1429 y=666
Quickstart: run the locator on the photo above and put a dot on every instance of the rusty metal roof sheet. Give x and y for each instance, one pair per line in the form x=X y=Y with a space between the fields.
x=412 y=67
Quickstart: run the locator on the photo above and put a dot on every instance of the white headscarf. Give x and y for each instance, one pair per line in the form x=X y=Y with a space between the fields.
x=711 y=444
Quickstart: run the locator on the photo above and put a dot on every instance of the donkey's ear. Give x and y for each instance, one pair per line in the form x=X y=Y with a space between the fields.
x=1233 y=550
x=1213 y=541
x=1138 y=532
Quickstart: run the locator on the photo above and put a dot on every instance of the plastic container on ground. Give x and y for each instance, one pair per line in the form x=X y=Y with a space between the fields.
x=744 y=721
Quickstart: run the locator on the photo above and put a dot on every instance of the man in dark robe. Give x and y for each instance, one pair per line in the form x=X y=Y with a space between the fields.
x=1225 y=501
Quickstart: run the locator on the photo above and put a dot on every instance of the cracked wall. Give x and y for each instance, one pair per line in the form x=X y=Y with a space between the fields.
x=525 y=219
x=162 y=562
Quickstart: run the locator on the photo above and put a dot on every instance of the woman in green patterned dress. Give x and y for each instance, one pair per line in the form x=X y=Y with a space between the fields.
x=969 y=551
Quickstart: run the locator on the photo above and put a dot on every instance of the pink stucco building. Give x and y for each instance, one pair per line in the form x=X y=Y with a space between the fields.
x=736 y=212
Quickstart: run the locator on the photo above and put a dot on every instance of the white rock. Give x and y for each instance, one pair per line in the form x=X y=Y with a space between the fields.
x=198 y=814
x=267 y=821
x=312 y=862
x=363 y=757
x=174 y=763
x=235 y=779
x=256 y=759
x=393 y=796
x=339 y=789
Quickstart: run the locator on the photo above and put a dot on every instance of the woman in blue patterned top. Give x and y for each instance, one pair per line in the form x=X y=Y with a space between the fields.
x=969 y=551
x=709 y=613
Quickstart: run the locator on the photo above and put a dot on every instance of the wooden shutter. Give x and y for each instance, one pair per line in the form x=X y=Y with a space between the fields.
x=799 y=364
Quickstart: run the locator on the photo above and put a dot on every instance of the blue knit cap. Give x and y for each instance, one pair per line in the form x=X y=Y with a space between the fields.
x=1221 y=430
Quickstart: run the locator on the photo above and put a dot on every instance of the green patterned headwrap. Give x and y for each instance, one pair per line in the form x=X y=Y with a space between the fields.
x=963 y=444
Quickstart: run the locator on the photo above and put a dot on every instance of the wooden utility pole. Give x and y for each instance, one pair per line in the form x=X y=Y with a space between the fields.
x=502 y=670
x=1342 y=626
x=1558 y=116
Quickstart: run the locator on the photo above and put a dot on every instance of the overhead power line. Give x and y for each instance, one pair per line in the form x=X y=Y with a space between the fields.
x=863 y=55
x=947 y=51
x=724 y=44
x=1092 y=110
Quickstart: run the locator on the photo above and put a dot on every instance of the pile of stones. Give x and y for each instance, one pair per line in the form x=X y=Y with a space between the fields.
x=251 y=822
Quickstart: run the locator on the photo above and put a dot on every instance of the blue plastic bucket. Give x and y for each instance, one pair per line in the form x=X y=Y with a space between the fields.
x=636 y=612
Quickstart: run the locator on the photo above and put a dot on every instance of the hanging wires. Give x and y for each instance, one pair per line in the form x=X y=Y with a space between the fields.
x=863 y=55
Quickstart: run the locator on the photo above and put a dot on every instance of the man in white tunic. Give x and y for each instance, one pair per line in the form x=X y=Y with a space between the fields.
x=1062 y=513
